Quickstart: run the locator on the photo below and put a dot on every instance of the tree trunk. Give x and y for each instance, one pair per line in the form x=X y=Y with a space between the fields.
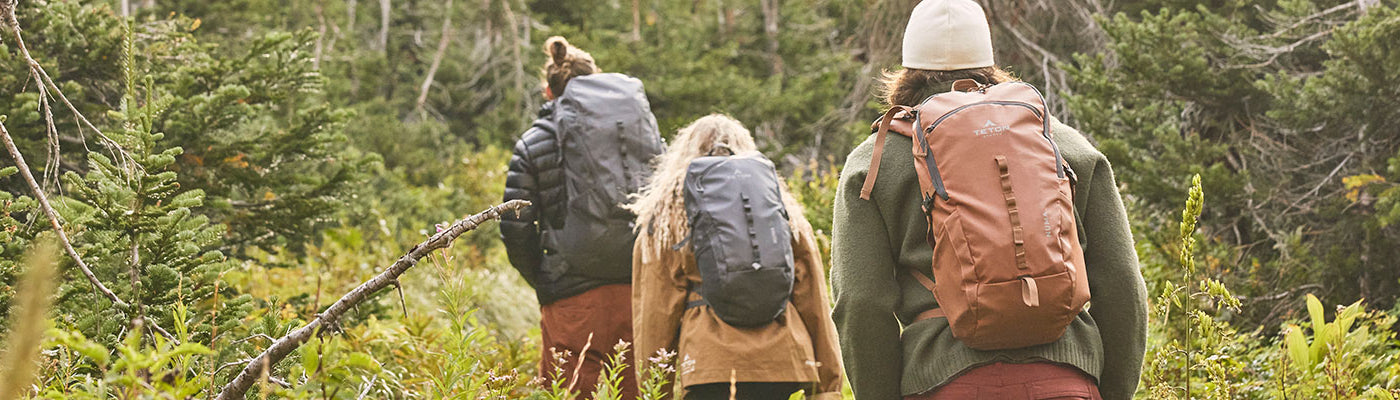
x=443 y=40
x=350 y=16
x=636 y=20
x=384 y=8
x=771 y=16
x=321 y=36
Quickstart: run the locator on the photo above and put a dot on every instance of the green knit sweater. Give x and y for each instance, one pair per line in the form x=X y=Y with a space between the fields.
x=876 y=243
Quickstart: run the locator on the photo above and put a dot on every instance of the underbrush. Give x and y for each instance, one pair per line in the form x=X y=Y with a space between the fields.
x=1195 y=353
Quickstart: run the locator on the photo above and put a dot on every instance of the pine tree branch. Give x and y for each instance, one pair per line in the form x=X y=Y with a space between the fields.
x=53 y=218
x=41 y=77
x=238 y=387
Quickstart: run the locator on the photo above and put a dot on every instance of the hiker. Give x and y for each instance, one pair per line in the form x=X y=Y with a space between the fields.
x=965 y=272
x=728 y=275
x=573 y=244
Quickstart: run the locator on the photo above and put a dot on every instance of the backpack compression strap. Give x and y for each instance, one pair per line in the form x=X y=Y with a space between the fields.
x=699 y=301
x=936 y=312
x=884 y=122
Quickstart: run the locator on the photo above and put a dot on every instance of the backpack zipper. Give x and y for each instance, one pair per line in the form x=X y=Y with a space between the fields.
x=931 y=164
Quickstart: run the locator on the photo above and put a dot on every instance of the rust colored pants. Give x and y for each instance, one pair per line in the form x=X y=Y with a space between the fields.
x=606 y=313
x=1003 y=381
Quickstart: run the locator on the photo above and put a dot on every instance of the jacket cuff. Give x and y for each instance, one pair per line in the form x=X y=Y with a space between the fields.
x=825 y=396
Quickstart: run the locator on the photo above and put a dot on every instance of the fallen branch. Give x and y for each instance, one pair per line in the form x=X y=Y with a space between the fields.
x=255 y=368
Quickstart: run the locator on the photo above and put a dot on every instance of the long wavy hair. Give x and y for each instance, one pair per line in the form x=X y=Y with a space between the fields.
x=660 y=205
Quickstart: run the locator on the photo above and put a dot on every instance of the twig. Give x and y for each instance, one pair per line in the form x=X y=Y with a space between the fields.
x=238 y=387
x=1280 y=295
x=369 y=386
x=1309 y=18
x=581 y=355
x=279 y=381
x=399 y=287
x=165 y=333
x=1319 y=184
x=53 y=218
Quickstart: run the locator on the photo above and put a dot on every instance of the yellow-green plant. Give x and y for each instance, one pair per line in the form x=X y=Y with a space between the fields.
x=27 y=324
x=655 y=383
x=610 y=381
x=1194 y=361
x=1351 y=356
x=1306 y=353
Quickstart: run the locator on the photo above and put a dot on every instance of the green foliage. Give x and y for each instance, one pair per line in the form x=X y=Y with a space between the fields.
x=1191 y=357
x=138 y=227
x=610 y=380
x=1200 y=355
x=695 y=64
x=139 y=370
x=656 y=374
x=1273 y=104
x=13 y=240
x=1325 y=334
x=274 y=160
x=815 y=189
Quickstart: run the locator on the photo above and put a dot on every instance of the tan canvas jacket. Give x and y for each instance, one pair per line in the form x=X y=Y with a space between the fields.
x=800 y=346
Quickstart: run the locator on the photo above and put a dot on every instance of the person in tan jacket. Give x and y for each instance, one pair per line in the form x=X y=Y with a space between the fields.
x=797 y=351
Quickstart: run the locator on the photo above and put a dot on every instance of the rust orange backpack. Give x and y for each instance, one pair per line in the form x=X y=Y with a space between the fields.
x=1008 y=269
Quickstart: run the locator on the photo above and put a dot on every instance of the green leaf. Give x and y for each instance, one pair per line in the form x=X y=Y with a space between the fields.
x=1315 y=311
x=361 y=361
x=309 y=359
x=77 y=342
x=1298 y=347
x=1347 y=316
x=184 y=349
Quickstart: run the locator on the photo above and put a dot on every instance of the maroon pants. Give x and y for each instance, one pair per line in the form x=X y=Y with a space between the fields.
x=565 y=325
x=1002 y=381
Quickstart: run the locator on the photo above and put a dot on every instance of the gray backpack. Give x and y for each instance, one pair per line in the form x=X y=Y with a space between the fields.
x=607 y=136
x=740 y=236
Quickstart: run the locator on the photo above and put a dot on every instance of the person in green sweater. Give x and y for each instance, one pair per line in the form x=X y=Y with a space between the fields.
x=889 y=353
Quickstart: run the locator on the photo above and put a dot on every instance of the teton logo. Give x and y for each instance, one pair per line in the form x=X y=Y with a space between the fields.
x=989 y=129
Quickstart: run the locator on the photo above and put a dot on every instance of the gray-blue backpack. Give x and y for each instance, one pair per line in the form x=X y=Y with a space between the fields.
x=608 y=137
x=740 y=236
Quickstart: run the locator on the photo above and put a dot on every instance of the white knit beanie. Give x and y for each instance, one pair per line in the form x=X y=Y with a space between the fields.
x=947 y=35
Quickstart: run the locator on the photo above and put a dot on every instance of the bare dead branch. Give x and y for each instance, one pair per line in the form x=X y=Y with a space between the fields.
x=368 y=385
x=238 y=387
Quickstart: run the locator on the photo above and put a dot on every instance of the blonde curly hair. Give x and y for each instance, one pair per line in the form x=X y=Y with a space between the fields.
x=660 y=205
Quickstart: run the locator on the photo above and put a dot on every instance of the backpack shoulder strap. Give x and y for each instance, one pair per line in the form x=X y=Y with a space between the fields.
x=884 y=124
